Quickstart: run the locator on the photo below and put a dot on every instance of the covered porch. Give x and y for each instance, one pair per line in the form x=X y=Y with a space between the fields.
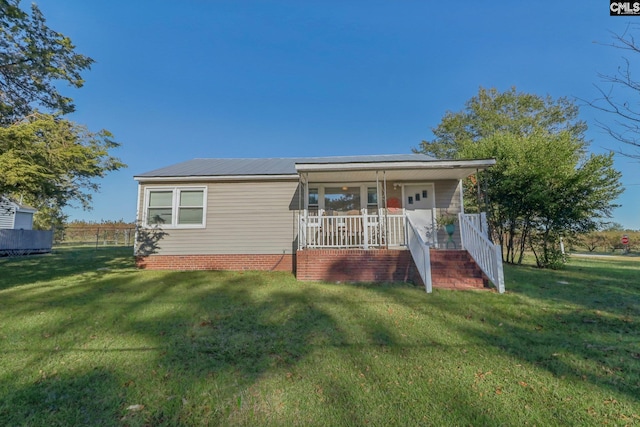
x=363 y=206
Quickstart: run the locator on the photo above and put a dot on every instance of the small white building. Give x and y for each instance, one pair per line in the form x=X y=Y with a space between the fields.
x=15 y=216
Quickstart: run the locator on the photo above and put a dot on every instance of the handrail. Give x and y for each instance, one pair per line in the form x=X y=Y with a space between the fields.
x=486 y=254
x=420 y=254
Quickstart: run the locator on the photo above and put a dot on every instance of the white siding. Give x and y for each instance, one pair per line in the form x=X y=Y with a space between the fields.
x=242 y=218
x=448 y=196
x=7 y=212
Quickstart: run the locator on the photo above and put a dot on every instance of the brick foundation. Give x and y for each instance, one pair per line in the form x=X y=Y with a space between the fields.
x=355 y=265
x=450 y=269
x=264 y=262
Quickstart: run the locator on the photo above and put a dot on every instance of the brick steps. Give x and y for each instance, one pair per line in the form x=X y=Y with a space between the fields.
x=451 y=269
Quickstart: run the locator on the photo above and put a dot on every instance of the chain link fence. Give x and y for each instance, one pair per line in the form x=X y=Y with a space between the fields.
x=97 y=235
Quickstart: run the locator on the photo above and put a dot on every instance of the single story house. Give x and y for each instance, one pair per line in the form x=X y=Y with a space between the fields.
x=15 y=216
x=350 y=218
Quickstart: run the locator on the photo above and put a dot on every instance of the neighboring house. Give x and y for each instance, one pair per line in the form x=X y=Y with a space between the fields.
x=15 y=216
x=17 y=236
x=353 y=218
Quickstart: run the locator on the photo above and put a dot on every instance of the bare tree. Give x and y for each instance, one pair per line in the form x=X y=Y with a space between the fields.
x=620 y=95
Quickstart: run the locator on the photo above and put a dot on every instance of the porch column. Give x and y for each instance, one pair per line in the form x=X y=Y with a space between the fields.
x=365 y=226
x=303 y=201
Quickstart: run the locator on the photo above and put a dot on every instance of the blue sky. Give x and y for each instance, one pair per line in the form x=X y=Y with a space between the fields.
x=201 y=78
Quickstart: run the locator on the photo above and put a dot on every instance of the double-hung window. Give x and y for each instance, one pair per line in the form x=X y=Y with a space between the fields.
x=176 y=207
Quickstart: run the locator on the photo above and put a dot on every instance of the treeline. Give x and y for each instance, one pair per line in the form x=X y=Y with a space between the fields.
x=96 y=233
x=606 y=241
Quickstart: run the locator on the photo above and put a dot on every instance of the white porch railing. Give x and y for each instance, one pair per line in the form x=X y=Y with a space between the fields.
x=488 y=256
x=352 y=231
x=420 y=254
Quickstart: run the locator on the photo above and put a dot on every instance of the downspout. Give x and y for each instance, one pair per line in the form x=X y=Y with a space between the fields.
x=138 y=221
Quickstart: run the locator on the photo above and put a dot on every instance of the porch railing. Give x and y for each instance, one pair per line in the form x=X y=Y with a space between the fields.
x=352 y=231
x=420 y=254
x=24 y=242
x=487 y=255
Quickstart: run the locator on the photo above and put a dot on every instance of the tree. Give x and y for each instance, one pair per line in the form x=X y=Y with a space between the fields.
x=48 y=161
x=52 y=162
x=544 y=185
x=33 y=58
x=617 y=99
x=592 y=240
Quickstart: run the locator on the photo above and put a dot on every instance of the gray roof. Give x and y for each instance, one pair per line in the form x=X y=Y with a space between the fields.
x=273 y=166
x=19 y=206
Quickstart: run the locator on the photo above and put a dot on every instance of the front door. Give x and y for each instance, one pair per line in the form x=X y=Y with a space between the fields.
x=419 y=203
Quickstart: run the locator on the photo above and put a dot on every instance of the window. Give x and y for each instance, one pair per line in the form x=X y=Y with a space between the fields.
x=160 y=208
x=372 y=196
x=176 y=207
x=372 y=200
x=313 y=197
x=342 y=199
x=190 y=208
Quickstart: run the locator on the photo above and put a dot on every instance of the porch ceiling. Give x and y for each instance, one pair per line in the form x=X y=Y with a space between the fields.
x=422 y=172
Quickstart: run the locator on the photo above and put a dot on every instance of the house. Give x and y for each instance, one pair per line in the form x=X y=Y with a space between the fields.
x=15 y=216
x=352 y=218
x=17 y=236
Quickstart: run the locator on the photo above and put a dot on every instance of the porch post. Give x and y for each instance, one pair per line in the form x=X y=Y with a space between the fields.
x=386 y=210
x=479 y=194
x=365 y=226
x=302 y=239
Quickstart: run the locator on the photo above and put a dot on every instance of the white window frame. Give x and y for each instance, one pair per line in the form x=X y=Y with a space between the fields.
x=175 y=206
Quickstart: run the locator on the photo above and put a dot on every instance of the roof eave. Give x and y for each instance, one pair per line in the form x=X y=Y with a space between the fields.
x=201 y=178
x=437 y=164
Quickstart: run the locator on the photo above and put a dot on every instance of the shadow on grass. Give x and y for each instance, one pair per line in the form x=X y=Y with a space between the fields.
x=63 y=263
x=580 y=323
x=192 y=345
x=600 y=284
x=89 y=398
x=192 y=326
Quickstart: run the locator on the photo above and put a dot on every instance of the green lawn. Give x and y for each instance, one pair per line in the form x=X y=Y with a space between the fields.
x=86 y=339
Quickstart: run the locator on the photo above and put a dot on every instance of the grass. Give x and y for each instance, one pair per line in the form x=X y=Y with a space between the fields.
x=86 y=339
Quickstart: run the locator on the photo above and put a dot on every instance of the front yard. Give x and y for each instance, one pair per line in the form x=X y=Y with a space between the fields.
x=87 y=339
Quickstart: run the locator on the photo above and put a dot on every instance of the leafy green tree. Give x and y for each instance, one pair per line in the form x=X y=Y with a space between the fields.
x=33 y=58
x=52 y=162
x=48 y=161
x=545 y=185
